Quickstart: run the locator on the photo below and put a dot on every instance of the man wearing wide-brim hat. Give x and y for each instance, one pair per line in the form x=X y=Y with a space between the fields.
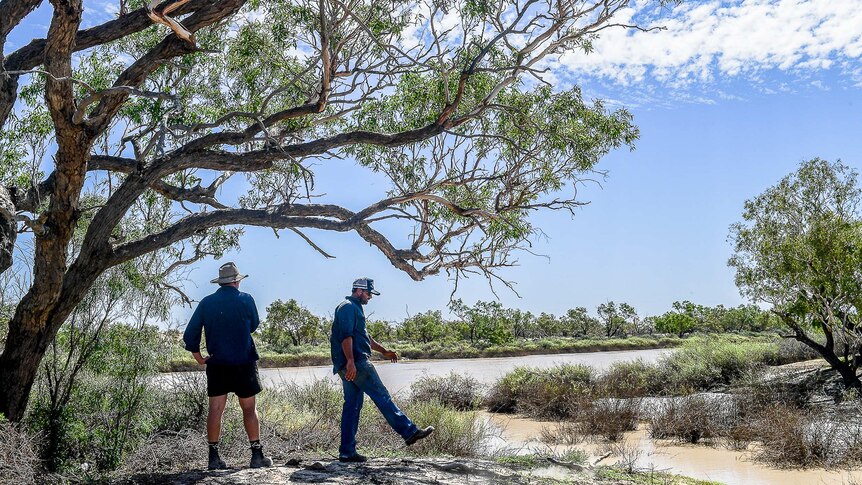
x=350 y=347
x=228 y=317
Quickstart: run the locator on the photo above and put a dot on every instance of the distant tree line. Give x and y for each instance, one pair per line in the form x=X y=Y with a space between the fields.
x=289 y=324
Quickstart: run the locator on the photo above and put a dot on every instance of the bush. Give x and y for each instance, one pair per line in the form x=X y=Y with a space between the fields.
x=553 y=393
x=630 y=379
x=93 y=415
x=602 y=419
x=19 y=461
x=455 y=433
x=456 y=391
x=687 y=419
x=706 y=363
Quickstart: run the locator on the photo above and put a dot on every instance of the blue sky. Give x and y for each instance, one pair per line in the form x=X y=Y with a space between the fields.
x=729 y=98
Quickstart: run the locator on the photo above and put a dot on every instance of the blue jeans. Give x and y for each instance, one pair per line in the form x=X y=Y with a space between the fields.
x=368 y=382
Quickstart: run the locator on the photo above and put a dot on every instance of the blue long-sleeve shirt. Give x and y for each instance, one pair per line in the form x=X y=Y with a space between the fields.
x=349 y=321
x=228 y=317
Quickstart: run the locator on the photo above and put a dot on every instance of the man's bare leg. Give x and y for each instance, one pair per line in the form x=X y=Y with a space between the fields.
x=249 y=417
x=252 y=429
x=216 y=411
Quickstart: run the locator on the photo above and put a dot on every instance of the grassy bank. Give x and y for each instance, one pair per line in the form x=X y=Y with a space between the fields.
x=319 y=355
x=700 y=364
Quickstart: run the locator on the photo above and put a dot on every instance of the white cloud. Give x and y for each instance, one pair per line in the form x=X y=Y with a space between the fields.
x=704 y=41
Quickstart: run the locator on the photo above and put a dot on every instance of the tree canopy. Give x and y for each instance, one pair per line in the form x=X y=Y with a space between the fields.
x=799 y=249
x=446 y=100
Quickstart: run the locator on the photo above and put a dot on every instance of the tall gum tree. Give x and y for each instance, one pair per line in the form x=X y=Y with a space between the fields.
x=446 y=99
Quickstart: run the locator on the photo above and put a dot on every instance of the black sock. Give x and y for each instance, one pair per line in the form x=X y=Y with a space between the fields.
x=255 y=444
x=213 y=445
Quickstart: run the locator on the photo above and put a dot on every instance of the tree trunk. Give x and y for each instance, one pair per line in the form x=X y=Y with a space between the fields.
x=845 y=369
x=26 y=343
x=32 y=329
x=8 y=228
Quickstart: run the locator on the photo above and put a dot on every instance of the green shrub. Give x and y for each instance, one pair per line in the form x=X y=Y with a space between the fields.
x=629 y=379
x=456 y=391
x=551 y=393
x=455 y=433
x=705 y=363
x=100 y=413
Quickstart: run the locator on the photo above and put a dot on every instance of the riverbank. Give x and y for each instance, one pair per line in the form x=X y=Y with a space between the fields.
x=319 y=355
x=441 y=470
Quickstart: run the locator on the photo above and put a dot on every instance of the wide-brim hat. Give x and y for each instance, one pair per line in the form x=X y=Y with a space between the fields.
x=228 y=273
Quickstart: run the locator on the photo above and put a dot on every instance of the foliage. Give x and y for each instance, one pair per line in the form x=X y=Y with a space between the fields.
x=572 y=392
x=288 y=323
x=107 y=411
x=676 y=323
x=457 y=122
x=457 y=391
x=484 y=321
x=798 y=249
x=578 y=323
x=618 y=320
x=422 y=328
x=543 y=393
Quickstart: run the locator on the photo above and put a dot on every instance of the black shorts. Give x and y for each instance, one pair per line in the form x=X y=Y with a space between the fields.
x=242 y=380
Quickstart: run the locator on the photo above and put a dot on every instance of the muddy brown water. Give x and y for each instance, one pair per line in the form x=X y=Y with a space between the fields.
x=718 y=464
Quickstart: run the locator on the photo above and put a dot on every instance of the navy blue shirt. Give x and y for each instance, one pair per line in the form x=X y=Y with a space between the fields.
x=228 y=317
x=349 y=321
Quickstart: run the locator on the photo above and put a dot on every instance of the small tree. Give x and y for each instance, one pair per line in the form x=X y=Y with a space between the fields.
x=676 y=323
x=379 y=329
x=484 y=321
x=618 y=320
x=290 y=324
x=423 y=328
x=799 y=248
x=578 y=323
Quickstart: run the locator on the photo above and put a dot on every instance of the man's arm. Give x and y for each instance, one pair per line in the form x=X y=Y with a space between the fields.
x=255 y=318
x=192 y=336
x=383 y=350
x=347 y=347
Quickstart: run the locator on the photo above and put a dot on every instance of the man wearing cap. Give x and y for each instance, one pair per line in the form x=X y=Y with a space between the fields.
x=351 y=348
x=228 y=317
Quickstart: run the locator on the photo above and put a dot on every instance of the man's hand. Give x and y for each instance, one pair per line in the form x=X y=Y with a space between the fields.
x=390 y=355
x=201 y=359
x=350 y=372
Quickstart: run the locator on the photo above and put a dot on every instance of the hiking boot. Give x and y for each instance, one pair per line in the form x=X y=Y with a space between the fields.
x=215 y=462
x=419 y=434
x=257 y=458
x=357 y=458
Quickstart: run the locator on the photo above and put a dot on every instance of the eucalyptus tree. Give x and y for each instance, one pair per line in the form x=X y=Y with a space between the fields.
x=618 y=320
x=446 y=100
x=799 y=249
x=289 y=323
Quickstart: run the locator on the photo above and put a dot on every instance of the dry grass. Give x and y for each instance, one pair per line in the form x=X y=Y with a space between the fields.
x=19 y=461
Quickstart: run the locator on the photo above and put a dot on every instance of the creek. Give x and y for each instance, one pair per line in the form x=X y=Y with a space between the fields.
x=524 y=435
x=399 y=376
